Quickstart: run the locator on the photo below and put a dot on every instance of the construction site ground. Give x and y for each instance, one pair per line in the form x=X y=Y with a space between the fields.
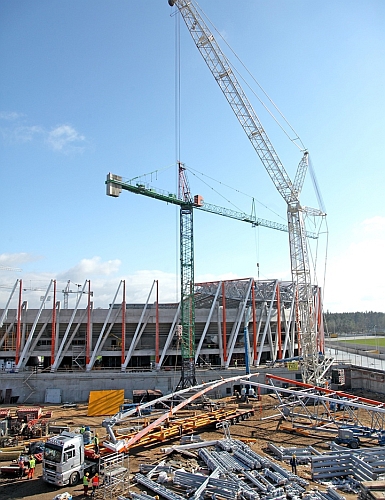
x=262 y=431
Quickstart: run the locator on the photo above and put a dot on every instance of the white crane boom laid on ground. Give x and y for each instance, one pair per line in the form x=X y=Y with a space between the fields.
x=313 y=366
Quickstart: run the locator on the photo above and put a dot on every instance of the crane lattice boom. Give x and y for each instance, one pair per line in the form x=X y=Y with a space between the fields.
x=312 y=367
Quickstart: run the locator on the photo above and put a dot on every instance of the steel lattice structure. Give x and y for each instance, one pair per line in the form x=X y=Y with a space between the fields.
x=220 y=67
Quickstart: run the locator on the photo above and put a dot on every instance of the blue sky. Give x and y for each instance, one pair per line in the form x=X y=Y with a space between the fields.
x=88 y=88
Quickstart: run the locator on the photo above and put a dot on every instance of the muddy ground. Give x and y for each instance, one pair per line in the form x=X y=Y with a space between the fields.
x=263 y=431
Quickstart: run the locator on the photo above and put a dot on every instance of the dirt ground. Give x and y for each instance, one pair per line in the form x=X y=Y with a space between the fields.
x=263 y=431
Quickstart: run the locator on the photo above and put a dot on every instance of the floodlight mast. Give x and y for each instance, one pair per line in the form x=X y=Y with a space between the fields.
x=312 y=365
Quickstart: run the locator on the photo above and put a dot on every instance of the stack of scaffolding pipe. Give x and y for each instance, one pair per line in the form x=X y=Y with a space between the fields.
x=157 y=488
x=330 y=494
x=251 y=477
x=247 y=492
x=263 y=480
x=227 y=488
x=265 y=462
x=327 y=466
x=227 y=461
x=224 y=488
x=295 y=488
x=375 y=457
x=362 y=470
x=252 y=495
x=200 y=490
x=146 y=468
x=289 y=475
x=343 y=464
x=188 y=479
x=211 y=462
x=378 y=451
x=294 y=491
x=249 y=461
x=276 y=494
x=276 y=477
x=229 y=444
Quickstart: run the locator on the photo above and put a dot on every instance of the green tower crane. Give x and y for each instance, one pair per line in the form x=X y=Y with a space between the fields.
x=186 y=330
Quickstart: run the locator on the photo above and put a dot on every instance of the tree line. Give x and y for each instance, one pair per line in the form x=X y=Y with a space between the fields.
x=358 y=322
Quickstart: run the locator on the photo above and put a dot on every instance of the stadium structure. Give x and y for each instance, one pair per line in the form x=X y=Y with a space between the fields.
x=237 y=323
x=146 y=335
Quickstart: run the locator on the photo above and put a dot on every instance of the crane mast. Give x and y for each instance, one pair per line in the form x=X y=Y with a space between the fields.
x=312 y=367
x=187 y=314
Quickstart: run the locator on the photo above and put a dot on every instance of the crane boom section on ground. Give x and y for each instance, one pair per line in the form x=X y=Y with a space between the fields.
x=312 y=367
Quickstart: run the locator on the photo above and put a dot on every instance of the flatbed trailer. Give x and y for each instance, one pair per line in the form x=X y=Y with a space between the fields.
x=172 y=428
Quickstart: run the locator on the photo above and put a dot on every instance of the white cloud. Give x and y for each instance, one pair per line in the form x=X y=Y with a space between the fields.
x=63 y=137
x=26 y=134
x=16 y=259
x=87 y=268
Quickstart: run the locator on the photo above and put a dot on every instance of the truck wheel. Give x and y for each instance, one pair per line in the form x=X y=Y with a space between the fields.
x=74 y=479
x=354 y=445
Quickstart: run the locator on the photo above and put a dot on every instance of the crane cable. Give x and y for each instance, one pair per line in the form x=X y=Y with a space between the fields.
x=301 y=147
x=177 y=146
x=195 y=172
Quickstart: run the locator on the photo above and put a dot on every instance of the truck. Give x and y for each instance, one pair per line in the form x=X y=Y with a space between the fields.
x=65 y=461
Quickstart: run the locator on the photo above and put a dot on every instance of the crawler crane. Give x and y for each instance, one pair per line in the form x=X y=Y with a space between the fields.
x=313 y=364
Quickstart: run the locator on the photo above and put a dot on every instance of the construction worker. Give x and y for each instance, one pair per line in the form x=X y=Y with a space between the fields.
x=87 y=436
x=293 y=463
x=82 y=429
x=86 y=483
x=21 y=465
x=96 y=444
x=31 y=465
x=95 y=483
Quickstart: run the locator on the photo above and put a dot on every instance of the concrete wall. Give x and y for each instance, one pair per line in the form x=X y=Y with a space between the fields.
x=369 y=380
x=75 y=387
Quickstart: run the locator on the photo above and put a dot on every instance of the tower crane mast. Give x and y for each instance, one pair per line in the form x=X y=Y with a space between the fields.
x=312 y=367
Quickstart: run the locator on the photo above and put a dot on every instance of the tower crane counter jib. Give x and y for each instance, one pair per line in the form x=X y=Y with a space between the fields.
x=313 y=365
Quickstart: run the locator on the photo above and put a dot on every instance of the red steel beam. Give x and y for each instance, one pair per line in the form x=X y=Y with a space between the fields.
x=325 y=390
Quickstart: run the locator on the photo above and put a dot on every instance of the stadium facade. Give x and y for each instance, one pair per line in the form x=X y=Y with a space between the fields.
x=233 y=319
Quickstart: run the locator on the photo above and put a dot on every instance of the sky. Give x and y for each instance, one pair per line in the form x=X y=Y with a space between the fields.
x=93 y=87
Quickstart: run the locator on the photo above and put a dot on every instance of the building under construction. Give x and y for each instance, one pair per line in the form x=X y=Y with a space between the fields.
x=146 y=335
x=237 y=323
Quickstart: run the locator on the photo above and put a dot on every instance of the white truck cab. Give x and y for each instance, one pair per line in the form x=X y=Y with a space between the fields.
x=63 y=460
